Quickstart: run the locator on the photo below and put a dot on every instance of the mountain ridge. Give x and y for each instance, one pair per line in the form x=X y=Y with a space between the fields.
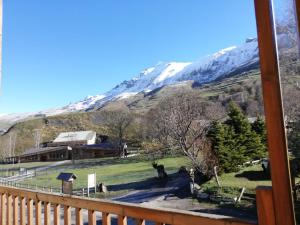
x=207 y=69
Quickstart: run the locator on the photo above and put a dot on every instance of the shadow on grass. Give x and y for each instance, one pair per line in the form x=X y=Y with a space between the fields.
x=254 y=175
x=176 y=185
x=102 y=162
x=173 y=180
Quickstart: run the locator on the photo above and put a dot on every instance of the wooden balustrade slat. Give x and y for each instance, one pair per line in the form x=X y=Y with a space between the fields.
x=140 y=222
x=30 y=211
x=92 y=217
x=3 y=209
x=67 y=215
x=47 y=212
x=106 y=219
x=38 y=212
x=16 y=210
x=164 y=216
x=9 y=219
x=79 y=220
x=56 y=214
x=22 y=211
x=122 y=220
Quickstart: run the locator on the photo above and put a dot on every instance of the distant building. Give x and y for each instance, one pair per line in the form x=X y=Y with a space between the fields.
x=68 y=145
x=74 y=138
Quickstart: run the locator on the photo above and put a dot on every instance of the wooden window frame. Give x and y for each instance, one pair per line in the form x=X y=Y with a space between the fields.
x=282 y=206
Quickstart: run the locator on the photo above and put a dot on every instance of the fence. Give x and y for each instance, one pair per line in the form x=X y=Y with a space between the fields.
x=19 y=206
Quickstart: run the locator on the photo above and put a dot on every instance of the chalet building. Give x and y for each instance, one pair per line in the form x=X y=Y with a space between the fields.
x=67 y=146
x=74 y=138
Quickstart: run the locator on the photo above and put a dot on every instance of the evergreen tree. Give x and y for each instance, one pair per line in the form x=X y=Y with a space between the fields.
x=237 y=120
x=259 y=127
x=226 y=147
x=235 y=141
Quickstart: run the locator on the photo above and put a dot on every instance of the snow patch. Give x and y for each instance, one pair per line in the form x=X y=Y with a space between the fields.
x=126 y=95
x=171 y=70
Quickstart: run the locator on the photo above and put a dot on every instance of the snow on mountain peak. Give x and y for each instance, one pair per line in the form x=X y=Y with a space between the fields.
x=224 y=51
x=172 y=69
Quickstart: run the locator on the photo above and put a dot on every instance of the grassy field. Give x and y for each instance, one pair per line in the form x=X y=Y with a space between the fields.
x=109 y=171
x=249 y=177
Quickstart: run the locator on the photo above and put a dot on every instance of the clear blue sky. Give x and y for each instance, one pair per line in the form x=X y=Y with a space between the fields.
x=59 y=51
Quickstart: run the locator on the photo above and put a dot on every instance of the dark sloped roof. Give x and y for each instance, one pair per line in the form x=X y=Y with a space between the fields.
x=66 y=176
x=34 y=151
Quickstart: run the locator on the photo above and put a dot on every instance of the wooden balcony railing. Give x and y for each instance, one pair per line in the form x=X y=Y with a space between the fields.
x=20 y=206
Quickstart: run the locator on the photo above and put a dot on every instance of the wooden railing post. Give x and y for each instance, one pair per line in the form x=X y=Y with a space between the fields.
x=67 y=215
x=3 y=208
x=47 y=212
x=122 y=220
x=30 y=211
x=140 y=222
x=106 y=220
x=16 y=210
x=22 y=211
x=56 y=214
x=38 y=212
x=92 y=217
x=277 y=144
x=265 y=206
x=79 y=220
x=9 y=211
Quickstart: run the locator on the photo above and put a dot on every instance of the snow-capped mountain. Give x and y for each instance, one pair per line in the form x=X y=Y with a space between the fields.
x=216 y=66
x=207 y=69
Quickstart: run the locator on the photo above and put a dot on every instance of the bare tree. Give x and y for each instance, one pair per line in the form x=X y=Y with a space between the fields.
x=117 y=123
x=181 y=123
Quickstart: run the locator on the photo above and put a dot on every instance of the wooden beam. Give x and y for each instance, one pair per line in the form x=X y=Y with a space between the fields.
x=277 y=144
x=265 y=206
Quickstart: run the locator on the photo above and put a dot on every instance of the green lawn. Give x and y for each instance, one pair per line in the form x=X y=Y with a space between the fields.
x=249 y=177
x=109 y=171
